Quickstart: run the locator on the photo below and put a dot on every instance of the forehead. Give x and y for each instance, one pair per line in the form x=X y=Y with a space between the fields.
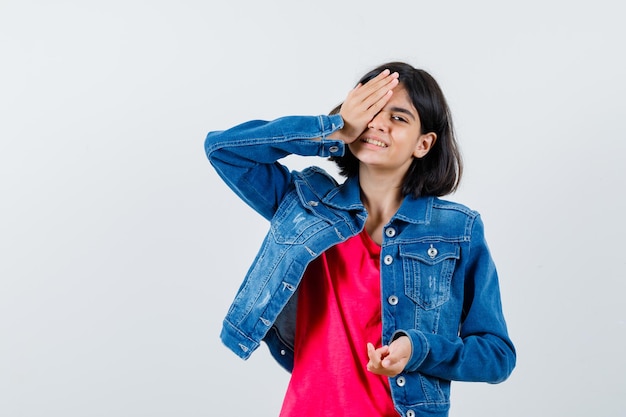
x=400 y=99
x=400 y=94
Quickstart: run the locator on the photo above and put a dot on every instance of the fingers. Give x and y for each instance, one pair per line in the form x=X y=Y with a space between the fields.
x=364 y=102
x=376 y=92
x=374 y=360
x=376 y=357
x=389 y=360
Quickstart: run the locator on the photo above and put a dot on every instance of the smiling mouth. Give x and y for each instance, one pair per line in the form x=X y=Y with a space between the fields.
x=374 y=142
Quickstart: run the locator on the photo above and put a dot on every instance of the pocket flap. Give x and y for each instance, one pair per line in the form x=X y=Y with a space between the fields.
x=431 y=252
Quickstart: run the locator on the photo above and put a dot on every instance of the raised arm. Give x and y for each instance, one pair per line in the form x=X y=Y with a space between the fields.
x=246 y=156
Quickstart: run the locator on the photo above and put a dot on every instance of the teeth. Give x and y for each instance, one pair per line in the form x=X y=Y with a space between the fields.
x=375 y=142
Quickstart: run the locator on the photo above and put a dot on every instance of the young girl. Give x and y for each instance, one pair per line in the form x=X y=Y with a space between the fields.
x=374 y=293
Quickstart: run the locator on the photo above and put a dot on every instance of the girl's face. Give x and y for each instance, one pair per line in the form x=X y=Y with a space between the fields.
x=393 y=137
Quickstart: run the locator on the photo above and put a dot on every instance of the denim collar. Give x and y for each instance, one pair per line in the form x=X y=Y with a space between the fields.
x=348 y=197
x=416 y=210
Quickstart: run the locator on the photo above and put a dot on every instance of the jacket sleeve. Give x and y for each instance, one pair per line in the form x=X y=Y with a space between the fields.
x=246 y=156
x=482 y=352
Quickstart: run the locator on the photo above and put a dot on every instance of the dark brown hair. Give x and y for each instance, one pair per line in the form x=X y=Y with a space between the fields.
x=439 y=172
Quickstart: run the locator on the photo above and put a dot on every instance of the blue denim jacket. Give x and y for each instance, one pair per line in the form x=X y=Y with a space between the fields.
x=439 y=284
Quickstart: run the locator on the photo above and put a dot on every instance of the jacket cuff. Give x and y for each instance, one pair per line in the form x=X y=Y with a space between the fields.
x=419 y=348
x=330 y=124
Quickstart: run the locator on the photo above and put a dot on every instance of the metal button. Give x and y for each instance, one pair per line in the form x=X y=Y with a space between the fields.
x=333 y=149
x=432 y=252
x=388 y=260
x=282 y=352
x=400 y=381
x=390 y=232
x=393 y=300
x=410 y=413
x=313 y=203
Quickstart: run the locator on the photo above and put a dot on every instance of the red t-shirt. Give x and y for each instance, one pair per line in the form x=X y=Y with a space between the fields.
x=338 y=313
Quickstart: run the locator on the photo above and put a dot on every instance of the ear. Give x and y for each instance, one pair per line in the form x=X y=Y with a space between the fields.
x=424 y=143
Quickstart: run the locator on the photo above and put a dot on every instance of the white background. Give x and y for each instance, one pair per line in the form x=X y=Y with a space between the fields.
x=120 y=249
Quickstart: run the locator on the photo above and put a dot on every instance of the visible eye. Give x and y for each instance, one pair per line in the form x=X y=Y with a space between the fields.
x=399 y=119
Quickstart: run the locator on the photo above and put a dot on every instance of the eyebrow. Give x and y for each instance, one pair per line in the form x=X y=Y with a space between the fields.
x=403 y=110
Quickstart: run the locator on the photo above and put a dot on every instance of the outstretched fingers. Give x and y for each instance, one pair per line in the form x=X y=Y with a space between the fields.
x=378 y=90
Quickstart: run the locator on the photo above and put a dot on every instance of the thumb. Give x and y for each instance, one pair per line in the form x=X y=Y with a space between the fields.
x=371 y=351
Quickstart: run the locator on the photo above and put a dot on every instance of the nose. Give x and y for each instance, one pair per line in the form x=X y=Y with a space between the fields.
x=378 y=122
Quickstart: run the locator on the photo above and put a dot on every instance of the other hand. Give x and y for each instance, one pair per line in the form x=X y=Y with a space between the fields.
x=389 y=360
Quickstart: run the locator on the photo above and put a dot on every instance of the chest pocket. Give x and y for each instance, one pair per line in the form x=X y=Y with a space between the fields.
x=428 y=269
